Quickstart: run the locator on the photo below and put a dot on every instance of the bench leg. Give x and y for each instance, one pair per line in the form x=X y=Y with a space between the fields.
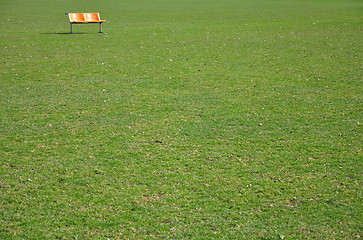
x=71 y=28
x=100 y=29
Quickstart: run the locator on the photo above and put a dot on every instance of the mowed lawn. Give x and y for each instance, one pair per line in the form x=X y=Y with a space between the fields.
x=186 y=119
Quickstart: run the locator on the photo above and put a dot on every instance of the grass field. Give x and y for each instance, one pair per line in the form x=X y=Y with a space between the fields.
x=186 y=119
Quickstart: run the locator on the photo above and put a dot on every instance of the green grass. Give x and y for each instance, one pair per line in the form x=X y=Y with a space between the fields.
x=193 y=119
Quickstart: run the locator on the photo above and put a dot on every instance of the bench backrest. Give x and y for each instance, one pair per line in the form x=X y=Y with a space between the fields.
x=76 y=17
x=92 y=17
x=84 y=17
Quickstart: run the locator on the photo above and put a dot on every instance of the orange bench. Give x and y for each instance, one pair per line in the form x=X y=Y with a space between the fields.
x=79 y=18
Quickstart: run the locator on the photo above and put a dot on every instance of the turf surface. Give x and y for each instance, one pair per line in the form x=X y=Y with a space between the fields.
x=233 y=119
